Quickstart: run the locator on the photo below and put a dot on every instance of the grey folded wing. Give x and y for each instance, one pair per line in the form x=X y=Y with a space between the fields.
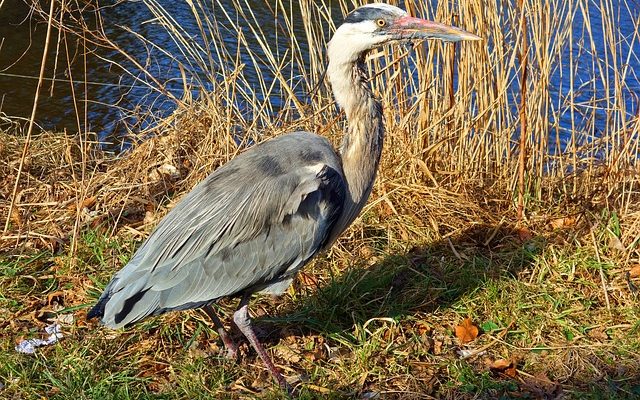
x=238 y=231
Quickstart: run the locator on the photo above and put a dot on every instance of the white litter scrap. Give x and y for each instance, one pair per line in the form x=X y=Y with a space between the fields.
x=28 y=346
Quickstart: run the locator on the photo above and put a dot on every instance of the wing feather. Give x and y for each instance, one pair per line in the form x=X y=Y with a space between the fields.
x=242 y=229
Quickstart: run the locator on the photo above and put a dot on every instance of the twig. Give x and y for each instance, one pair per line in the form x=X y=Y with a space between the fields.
x=522 y=157
x=33 y=115
x=453 y=249
x=602 y=277
x=496 y=339
x=494 y=233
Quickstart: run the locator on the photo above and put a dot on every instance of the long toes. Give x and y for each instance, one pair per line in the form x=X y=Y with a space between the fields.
x=231 y=354
x=282 y=382
x=287 y=387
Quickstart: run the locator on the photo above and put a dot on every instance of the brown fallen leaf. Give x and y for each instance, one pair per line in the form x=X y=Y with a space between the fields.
x=437 y=346
x=466 y=331
x=307 y=280
x=387 y=335
x=598 y=334
x=634 y=272
x=55 y=298
x=503 y=366
x=428 y=344
x=616 y=244
x=524 y=234
x=385 y=209
x=86 y=203
x=541 y=387
x=366 y=252
x=315 y=354
x=565 y=222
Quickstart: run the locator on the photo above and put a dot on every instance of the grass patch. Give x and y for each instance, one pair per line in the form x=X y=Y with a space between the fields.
x=368 y=319
x=439 y=241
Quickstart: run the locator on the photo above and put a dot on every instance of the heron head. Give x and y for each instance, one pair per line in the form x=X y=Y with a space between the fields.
x=372 y=25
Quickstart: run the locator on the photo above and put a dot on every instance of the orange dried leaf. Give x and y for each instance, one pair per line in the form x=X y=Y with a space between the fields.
x=511 y=372
x=503 y=366
x=86 y=203
x=16 y=218
x=524 y=234
x=89 y=202
x=466 y=331
x=423 y=328
x=565 y=222
x=634 y=272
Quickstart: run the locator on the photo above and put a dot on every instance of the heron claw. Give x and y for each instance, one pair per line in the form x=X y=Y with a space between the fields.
x=284 y=385
x=231 y=353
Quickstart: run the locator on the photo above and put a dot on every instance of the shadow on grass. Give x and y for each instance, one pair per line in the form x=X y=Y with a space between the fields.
x=432 y=278
x=427 y=278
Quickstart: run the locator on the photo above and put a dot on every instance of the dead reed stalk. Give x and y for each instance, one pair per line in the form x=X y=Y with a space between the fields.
x=524 y=64
x=452 y=117
x=36 y=96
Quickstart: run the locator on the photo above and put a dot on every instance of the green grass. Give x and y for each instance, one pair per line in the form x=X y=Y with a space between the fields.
x=377 y=315
x=354 y=326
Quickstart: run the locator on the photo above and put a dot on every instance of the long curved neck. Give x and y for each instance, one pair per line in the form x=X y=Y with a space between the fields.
x=363 y=139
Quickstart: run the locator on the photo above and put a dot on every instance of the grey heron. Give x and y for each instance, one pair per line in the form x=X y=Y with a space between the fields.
x=254 y=222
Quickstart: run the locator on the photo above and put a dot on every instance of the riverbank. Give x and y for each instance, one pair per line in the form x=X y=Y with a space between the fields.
x=498 y=254
x=378 y=314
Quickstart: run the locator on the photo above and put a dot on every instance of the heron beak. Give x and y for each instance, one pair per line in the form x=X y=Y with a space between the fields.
x=417 y=28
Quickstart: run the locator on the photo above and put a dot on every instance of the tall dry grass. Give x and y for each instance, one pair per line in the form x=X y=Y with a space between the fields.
x=463 y=105
x=454 y=113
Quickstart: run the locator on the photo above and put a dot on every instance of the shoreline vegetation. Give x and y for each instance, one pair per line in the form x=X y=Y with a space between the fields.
x=552 y=289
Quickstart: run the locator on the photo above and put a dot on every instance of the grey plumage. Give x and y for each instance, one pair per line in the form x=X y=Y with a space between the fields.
x=250 y=225
x=253 y=223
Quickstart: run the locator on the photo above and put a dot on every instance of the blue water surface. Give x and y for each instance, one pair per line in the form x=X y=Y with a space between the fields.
x=122 y=102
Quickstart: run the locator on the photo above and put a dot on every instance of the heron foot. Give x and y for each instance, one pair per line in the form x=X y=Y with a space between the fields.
x=243 y=321
x=230 y=346
x=231 y=350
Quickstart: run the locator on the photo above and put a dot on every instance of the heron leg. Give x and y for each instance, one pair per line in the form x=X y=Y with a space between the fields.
x=243 y=321
x=232 y=348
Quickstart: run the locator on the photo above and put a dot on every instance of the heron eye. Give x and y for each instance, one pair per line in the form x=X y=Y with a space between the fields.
x=381 y=22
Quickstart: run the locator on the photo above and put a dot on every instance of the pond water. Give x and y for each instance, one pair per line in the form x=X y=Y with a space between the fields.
x=112 y=95
x=117 y=102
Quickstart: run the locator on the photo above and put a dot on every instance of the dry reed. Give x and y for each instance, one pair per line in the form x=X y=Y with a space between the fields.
x=451 y=119
x=438 y=240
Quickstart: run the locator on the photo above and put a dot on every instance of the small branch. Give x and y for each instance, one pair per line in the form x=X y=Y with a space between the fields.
x=27 y=141
x=496 y=339
x=522 y=157
x=603 y=279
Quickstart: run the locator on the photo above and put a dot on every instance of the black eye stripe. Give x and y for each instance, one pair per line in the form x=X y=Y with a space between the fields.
x=367 y=14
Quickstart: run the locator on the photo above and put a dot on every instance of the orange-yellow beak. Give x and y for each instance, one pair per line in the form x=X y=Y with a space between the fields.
x=417 y=28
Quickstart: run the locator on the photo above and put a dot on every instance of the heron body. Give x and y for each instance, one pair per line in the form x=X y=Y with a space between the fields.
x=253 y=223
x=248 y=227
